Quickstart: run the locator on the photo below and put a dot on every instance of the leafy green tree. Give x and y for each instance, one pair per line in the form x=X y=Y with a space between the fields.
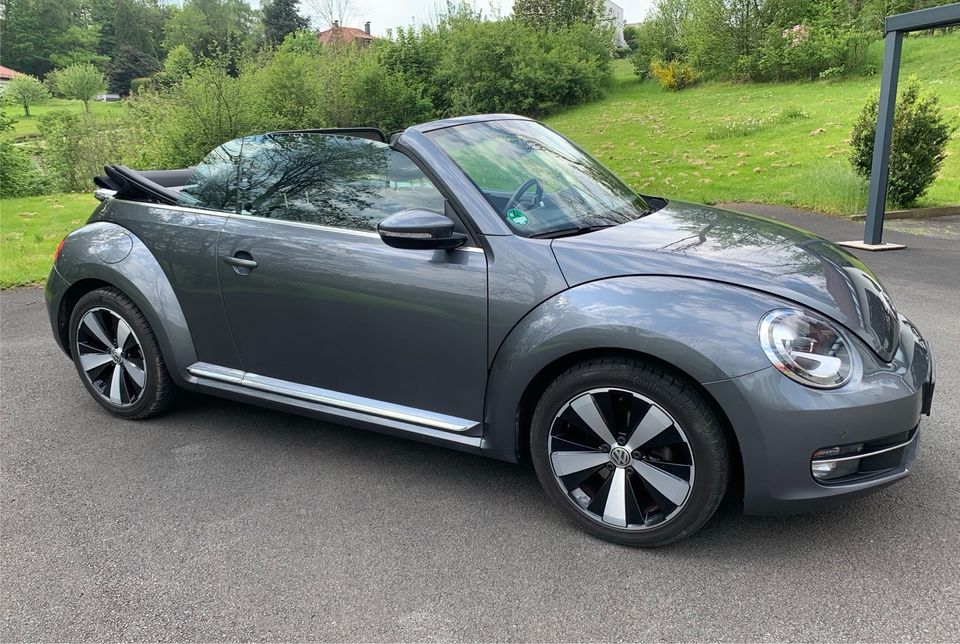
x=82 y=82
x=210 y=28
x=280 y=17
x=24 y=90
x=551 y=14
x=77 y=46
x=33 y=30
x=131 y=34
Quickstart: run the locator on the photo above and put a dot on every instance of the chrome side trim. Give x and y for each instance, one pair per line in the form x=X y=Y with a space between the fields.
x=303 y=224
x=336 y=399
x=865 y=454
x=216 y=372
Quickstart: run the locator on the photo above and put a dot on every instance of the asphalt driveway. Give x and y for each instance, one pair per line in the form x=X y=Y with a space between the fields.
x=222 y=521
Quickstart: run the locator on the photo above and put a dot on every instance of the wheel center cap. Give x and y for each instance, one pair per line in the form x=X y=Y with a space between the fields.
x=620 y=456
x=116 y=355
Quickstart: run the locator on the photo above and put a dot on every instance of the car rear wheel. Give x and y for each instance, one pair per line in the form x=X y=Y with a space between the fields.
x=117 y=356
x=630 y=451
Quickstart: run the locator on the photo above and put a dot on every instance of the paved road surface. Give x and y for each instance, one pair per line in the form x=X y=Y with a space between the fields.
x=225 y=521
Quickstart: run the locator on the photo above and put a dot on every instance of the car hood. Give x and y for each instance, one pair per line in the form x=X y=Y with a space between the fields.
x=690 y=240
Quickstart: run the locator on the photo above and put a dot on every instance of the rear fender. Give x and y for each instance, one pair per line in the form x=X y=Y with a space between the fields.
x=109 y=253
x=708 y=330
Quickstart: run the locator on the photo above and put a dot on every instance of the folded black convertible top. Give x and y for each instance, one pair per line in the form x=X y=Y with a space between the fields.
x=155 y=186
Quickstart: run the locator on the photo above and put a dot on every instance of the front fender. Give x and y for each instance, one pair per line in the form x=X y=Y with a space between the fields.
x=706 y=329
x=110 y=253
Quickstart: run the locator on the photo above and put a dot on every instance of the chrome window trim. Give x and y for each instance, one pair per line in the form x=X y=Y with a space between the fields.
x=331 y=398
x=301 y=224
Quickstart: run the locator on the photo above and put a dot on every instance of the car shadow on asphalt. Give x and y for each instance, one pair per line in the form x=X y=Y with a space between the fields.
x=478 y=484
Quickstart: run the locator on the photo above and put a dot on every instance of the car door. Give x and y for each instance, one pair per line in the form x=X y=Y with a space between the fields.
x=316 y=299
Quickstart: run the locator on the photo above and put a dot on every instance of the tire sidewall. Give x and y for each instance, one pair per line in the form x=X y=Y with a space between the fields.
x=700 y=426
x=121 y=306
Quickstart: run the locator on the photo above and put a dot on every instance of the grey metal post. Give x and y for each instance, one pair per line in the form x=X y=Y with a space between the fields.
x=877 y=197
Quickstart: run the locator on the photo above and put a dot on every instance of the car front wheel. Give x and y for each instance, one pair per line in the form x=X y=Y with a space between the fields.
x=117 y=355
x=630 y=451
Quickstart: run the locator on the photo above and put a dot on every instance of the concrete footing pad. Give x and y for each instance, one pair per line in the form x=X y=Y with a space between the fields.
x=859 y=245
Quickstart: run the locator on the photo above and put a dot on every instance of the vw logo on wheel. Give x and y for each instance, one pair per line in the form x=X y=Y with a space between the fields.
x=620 y=457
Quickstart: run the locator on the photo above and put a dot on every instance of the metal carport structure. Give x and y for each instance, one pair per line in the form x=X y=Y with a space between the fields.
x=894 y=28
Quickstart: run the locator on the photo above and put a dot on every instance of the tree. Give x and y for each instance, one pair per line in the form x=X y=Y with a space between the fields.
x=131 y=35
x=82 y=82
x=33 y=30
x=552 y=14
x=24 y=90
x=211 y=28
x=329 y=12
x=280 y=18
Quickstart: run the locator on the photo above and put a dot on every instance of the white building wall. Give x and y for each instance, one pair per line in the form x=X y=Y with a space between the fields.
x=615 y=16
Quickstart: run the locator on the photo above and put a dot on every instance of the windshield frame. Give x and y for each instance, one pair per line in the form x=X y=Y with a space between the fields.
x=581 y=168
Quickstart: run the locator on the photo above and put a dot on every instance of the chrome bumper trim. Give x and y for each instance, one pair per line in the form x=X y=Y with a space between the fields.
x=865 y=454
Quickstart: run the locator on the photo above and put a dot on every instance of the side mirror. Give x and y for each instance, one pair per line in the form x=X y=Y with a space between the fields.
x=419 y=230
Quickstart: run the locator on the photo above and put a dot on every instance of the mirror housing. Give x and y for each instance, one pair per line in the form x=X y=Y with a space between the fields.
x=419 y=229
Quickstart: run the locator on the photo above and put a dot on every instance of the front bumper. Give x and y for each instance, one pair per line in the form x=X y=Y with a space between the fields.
x=780 y=424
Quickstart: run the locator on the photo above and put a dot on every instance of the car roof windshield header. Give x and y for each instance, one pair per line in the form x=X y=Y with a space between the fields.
x=538 y=181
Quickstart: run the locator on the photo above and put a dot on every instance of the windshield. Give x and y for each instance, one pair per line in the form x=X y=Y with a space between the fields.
x=540 y=183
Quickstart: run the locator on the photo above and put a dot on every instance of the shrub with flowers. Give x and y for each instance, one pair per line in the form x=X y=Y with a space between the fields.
x=674 y=75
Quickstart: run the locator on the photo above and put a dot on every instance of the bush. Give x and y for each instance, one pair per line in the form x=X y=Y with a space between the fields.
x=76 y=147
x=654 y=39
x=918 y=146
x=138 y=85
x=507 y=66
x=808 y=52
x=673 y=76
x=19 y=175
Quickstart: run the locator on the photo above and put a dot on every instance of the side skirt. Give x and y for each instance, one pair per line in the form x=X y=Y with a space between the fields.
x=365 y=413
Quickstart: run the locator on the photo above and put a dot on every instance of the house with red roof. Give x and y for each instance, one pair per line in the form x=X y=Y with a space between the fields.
x=6 y=75
x=338 y=34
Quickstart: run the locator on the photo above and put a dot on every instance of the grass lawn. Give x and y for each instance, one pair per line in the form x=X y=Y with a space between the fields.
x=28 y=127
x=31 y=228
x=773 y=143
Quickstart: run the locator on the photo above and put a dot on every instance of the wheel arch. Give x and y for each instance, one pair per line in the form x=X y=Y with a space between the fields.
x=703 y=331
x=68 y=301
x=137 y=274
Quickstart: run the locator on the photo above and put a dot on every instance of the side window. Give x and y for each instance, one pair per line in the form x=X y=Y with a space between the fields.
x=213 y=184
x=330 y=180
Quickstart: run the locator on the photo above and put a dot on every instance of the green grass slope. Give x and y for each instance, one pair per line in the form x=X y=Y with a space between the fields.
x=27 y=127
x=31 y=228
x=784 y=143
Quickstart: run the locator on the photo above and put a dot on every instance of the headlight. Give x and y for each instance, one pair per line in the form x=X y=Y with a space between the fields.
x=806 y=349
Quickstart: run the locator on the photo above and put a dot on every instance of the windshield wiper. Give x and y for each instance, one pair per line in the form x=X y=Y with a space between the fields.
x=569 y=232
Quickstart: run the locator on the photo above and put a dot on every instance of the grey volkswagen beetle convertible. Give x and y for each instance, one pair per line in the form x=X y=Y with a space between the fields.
x=482 y=283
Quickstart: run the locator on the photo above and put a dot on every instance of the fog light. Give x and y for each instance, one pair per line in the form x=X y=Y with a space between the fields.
x=823 y=470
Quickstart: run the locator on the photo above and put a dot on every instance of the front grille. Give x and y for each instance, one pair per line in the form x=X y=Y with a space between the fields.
x=855 y=462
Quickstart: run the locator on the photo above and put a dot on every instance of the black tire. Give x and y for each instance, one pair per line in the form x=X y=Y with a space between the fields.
x=703 y=432
x=158 y=390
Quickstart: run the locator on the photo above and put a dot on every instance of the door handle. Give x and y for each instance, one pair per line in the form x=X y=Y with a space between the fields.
x=241 y=261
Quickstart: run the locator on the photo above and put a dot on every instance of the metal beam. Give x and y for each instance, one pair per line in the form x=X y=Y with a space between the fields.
x=877 y=196
x=921 y=19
